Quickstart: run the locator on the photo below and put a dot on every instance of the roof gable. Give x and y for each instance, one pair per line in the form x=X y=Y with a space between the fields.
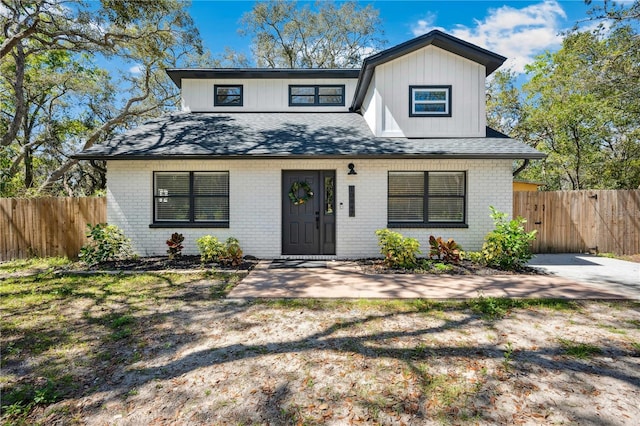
x=491 y=61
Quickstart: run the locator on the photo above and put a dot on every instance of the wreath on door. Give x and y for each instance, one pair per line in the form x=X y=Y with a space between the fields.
x=295 y=188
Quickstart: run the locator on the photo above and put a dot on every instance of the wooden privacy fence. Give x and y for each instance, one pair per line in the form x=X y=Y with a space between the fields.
x=566 y=221
x=606 y=221
x=47 y=226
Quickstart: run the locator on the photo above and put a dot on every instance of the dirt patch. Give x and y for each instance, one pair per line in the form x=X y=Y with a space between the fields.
x=631 y=258
x=165 y=349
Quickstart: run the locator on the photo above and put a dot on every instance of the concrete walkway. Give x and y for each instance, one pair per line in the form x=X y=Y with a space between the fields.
x=338 y=279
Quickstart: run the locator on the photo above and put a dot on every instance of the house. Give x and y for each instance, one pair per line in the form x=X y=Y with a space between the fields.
x=310 y=163
x=526 y=185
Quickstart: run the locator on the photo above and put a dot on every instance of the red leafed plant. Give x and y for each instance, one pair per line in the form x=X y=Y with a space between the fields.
x=447 y=251
x=175 y=245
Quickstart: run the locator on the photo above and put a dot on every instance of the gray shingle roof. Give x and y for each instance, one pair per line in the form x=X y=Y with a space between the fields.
x=289 y=135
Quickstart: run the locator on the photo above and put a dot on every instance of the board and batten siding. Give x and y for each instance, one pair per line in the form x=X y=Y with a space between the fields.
x=389 y=97
x=255 y=202
x=370 y=107
x=259 y=95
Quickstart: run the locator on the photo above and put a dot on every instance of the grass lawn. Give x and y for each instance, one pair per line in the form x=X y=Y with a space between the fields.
x=168 y=348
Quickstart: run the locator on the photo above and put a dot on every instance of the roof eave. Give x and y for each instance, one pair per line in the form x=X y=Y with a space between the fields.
x=177 y=74
x=433 y=156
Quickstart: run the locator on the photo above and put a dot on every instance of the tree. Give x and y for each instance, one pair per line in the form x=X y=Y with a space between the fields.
x=617 y=12
x=505 y=107
x=50 y=125
x=507 y=112
x=327 y=36
x=56 y=102
x=580 y=107
x=564 y=118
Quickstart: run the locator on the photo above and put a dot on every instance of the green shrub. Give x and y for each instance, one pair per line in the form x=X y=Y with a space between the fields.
x=213 y=250
x=232 y=253
x=398 y=251
x=175 y=245
x=106 y=242
x=431 y=266
x=473 y=256
x=508 y=245
x=447 y=251
x=210 y=248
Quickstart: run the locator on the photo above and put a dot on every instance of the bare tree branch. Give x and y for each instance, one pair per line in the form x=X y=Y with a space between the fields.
x=126 y=113
x=327 y=36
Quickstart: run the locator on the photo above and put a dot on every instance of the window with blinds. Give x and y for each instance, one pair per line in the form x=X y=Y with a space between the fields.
x=191 y=197
x=426 y=198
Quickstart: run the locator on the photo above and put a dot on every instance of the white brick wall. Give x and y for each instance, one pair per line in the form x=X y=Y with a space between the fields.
x=255 y=202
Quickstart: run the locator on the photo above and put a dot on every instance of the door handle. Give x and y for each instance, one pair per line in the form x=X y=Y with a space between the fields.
x=317 y=220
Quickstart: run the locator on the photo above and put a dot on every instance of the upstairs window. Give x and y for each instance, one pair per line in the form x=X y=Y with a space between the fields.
x=316 y=95
x=227 y=95
x=430 y=101
x=427 y=199
x=196 y=198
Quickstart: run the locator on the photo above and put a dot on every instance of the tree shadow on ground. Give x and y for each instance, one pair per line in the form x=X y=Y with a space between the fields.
x=116 y=334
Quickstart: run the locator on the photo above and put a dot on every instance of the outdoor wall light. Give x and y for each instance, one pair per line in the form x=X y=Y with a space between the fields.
x=352 y=169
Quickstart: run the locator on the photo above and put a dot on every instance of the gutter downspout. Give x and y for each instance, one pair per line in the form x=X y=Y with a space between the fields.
x=521 y=168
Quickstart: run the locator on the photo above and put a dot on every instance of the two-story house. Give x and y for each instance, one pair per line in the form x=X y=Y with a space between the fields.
x=311 y=162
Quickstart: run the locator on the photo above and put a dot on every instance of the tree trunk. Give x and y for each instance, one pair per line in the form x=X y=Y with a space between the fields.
x=28 y=168
x=21 y=106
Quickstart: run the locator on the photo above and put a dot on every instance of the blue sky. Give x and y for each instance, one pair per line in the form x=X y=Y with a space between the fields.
x=519 y=30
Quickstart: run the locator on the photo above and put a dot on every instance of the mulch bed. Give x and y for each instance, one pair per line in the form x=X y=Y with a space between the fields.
x=369 y=266
x=160 y=263
x=465 y=267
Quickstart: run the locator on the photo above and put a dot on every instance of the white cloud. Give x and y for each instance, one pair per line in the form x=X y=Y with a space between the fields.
x=136 y=69
x=426 y=24
x=518 y=34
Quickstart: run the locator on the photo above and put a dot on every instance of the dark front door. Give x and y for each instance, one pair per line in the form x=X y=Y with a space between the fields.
x=310 y=227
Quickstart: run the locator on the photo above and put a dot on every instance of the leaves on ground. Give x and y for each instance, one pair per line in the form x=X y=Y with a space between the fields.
x=168 y=348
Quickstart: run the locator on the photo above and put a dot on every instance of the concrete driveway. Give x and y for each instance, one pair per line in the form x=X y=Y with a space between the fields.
x=601 y=273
